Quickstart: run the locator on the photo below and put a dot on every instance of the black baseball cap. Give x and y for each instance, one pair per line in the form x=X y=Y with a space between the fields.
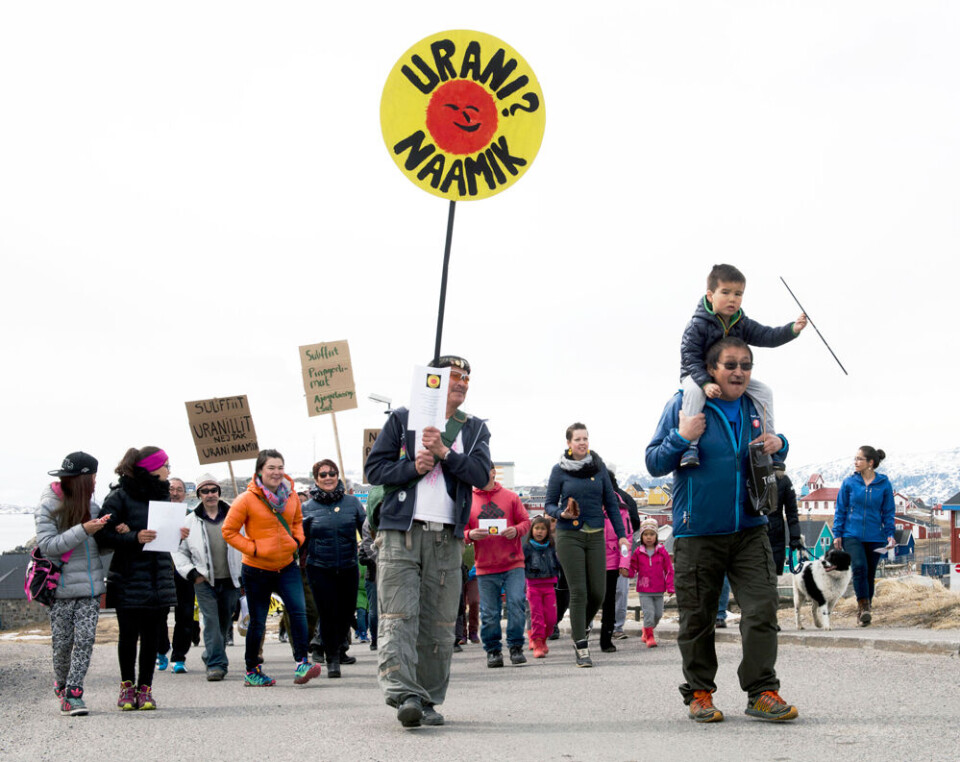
x=451 y=361
x=76 y=464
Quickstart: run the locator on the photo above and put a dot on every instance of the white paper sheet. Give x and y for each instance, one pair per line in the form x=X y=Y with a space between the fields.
x=493 y=526
x=428 y=399
x=165 y=519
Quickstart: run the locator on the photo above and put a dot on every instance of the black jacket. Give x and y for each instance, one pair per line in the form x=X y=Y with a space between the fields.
x=137 y=578
x=331 y=532
x=705 y=329
x=540 y=563
x=786 y=502
x=392 y=463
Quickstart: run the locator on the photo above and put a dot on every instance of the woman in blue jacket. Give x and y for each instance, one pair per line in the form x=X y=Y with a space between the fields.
x=864 y=523
x=331 y=521
x=578 y=494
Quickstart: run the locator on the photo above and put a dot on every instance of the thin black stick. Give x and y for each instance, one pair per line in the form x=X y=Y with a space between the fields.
x=443 y=280
x=815 y=327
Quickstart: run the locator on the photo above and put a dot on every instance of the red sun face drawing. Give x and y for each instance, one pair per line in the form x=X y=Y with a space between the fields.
x=461 y=117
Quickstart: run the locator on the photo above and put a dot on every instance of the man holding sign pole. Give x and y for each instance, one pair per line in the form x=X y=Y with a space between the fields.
x=428 y=479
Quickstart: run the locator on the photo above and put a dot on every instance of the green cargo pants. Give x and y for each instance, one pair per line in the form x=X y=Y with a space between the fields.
x=699 y=566
x=418 y=590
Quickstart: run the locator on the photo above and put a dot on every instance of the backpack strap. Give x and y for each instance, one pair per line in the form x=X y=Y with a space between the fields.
x=448 y=436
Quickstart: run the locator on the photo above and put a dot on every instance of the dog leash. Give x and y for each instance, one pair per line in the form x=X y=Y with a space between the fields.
x=802 y=554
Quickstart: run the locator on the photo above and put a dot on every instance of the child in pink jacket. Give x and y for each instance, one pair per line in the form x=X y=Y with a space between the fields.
x=651 y=565
x=616 y=562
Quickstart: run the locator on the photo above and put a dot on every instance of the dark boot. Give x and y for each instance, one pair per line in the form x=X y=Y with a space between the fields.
x=863 y=612
x=606 y=641
x=333 y=668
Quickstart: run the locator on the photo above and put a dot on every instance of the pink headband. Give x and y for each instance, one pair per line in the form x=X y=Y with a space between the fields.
x=153 y=462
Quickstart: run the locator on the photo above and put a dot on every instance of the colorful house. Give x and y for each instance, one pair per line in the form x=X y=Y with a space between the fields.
x=659 y=495
x=820 y=502
x=815 y=482
x=817 y=536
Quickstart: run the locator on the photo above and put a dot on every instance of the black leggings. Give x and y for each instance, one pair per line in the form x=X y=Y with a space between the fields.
x=609 y=607
x=142 y=625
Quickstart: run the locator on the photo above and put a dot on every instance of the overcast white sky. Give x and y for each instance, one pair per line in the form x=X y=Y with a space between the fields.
x=190 y=191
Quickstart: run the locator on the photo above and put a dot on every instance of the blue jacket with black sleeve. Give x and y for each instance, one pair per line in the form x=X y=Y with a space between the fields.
x=712 y=498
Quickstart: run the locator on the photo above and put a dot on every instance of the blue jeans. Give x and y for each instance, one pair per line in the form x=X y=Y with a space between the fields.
x=361 y=628
x=216 y=603
x=287 y=583
x=864 y=562
x=724 y=599
x=512 y=582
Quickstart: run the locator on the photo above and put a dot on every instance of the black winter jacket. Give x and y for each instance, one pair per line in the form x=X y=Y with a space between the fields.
x=137 y=578
x=392 y=463
x=331 y=532
x=705 y=329
x=540 y=563
x=786 y=501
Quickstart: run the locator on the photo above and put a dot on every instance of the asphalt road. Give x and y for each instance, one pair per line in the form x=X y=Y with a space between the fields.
x=855 y=704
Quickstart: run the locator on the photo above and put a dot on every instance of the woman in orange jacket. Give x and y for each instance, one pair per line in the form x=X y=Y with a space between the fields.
x=269 y=515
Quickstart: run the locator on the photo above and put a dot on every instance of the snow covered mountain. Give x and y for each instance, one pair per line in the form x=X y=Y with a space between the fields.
x=932 y=476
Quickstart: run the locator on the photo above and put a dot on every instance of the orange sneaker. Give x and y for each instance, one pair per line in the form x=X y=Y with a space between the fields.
x=702 y=708
x=769 y=706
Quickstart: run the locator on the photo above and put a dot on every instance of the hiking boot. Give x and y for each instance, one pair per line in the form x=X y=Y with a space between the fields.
x=306 y=672
x=145 y=699
x=620 y=635
x=347 y=659
x=162 y=662
x=410 y=712
x=691 y=458
x=431 y=716
x=72 y=702
x=128 y=696
x=179 y=668
x=769 y=706
x=333 y=669
x=215 y=674
x=555 y=635
x=721 y=624
x=863 y=612
x=256 y=679
x=516 y=656
x=495 y=659
x=373 y=644
x=583 y=654
x=457 y=648
x=702 y=709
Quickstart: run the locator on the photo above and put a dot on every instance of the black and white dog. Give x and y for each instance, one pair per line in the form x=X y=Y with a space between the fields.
x=821 y=582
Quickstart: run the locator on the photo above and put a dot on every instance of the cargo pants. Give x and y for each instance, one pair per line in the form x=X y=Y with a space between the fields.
x=418 y=591
x=699 y=566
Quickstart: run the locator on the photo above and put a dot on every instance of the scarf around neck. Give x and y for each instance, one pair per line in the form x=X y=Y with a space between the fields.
x=277 y=501
x=584 y=468
x=327 y=498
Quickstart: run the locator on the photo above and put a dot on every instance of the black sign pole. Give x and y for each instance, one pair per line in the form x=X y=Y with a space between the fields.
x=815 y=327
x=443 y=281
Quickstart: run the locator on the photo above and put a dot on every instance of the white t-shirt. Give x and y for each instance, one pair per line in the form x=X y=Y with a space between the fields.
x=433 y=502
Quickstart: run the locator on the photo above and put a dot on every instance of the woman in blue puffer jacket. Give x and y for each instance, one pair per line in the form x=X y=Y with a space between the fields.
x=863 y=524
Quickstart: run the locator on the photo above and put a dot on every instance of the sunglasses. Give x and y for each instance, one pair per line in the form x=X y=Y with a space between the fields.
x=747 y=365
x=210 y=491
x=463 y=378
x=326 y=474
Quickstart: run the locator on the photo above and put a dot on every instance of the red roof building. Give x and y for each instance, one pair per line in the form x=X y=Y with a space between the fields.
x=820 y=502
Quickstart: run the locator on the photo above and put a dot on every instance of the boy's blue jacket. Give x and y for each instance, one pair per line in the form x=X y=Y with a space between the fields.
x=865 y=512
x=705 y=329
x=711 y=498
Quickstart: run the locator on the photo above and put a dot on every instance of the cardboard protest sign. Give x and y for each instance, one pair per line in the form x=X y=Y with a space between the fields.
x=369 y=437
x=222 y=429
x=328 y=377
x=462 y=115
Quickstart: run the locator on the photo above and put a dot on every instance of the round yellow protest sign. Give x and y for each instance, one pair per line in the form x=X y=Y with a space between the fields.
x=462 y=115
